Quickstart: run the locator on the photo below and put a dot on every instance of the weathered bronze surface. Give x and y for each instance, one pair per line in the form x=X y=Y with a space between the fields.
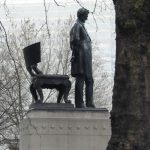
x=81 y=61
x=39 y=81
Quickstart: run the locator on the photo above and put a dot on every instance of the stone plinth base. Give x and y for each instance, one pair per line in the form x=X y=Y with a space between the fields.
x=65 y=129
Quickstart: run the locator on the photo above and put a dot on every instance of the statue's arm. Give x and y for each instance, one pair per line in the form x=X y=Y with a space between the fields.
x=75 y=41
x=75 y=37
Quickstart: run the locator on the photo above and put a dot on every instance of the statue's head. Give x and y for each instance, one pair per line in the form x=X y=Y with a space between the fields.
x=32 y=54
x=82 y=14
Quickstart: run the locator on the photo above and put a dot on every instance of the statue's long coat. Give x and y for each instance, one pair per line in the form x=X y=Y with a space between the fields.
x=80 y=44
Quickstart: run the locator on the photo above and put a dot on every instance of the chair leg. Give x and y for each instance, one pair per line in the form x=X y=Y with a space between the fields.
x=40 y=92
x=34 y=93
x=66 y=92
x=60 y=94
x=37 y=86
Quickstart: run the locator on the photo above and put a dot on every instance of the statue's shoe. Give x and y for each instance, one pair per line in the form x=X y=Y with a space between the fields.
x=90 y=105
x=80 y=106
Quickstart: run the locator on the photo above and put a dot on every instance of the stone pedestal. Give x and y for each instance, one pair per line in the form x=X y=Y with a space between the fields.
x=65 y=128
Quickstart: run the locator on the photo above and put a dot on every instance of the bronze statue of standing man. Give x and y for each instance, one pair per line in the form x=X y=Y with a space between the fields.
x=81 y=61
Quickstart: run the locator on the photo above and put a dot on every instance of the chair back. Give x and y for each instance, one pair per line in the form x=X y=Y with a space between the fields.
x=32 y=54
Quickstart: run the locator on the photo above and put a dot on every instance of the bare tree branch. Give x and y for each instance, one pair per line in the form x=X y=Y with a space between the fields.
x=6 y=110
x=95 y=5
x=15 y=65
x=79 y=3
x=95 y=22
x=46 y=21
x=57 y=3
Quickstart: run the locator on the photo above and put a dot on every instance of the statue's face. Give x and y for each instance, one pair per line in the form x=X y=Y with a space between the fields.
x=84 y=17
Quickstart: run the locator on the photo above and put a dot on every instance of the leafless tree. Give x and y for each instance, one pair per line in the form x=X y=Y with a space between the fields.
x=14 y=79
x=130 y=113
x=15 y=96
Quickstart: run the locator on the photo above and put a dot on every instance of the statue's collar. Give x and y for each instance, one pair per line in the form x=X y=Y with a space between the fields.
x=82 y=23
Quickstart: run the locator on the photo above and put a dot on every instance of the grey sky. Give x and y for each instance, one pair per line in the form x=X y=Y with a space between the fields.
x=105 y=35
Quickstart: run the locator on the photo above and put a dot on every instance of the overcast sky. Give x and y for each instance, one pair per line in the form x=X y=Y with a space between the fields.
x=59 y=1
x=105 y=35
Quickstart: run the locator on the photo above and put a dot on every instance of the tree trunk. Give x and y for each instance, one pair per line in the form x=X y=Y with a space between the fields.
x=130 y=118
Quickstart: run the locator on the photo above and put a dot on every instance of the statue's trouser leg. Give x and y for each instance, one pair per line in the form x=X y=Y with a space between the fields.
x=89 y=91
x=79 y=91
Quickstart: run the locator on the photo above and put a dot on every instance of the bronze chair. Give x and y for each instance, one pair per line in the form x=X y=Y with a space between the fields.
x=39 y=81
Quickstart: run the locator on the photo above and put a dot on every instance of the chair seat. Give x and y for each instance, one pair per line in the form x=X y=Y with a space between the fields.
x=51 y=81
x=49 y=76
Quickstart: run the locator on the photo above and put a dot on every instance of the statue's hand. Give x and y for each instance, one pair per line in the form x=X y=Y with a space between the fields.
x=72 y=59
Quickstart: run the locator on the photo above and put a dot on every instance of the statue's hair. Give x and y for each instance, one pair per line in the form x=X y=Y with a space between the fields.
x=82 y=11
